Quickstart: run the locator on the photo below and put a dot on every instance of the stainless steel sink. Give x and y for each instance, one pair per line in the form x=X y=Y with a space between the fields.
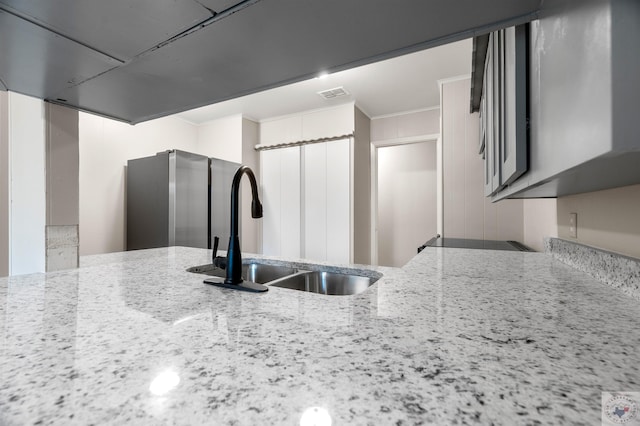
x=322 y=282
x=329 y=283
x=255 y=272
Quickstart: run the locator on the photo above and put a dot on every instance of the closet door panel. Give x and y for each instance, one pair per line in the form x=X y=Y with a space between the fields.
x=290 y=202
x=315 y=201
x=280 y=170
x=338 y=190
x=271 y=203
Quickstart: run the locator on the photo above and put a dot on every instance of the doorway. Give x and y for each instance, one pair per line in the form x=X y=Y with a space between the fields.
x=406 y=197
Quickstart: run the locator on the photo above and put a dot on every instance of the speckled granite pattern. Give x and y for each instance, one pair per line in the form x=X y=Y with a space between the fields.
x=616 y=270
x=455 y=337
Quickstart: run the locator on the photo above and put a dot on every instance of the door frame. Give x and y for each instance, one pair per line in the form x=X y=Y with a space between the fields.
x=434 y=137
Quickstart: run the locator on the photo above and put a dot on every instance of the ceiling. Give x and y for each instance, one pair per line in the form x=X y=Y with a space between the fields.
x=405 y=83
x=143 y=59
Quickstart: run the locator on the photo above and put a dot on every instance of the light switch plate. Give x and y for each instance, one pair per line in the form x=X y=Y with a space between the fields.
x=573 y=225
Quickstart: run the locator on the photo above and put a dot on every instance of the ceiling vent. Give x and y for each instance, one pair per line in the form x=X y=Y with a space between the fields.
x=333 y=93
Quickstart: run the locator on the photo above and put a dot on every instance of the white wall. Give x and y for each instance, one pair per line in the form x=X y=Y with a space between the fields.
x=406 y=200
x=105 y=147
x=467 y=213
x=221 y=138
x=27 y=213
x=539 y=221
x=607 y=219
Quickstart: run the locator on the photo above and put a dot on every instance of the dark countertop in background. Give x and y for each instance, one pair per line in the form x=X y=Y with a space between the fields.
x=474 y=244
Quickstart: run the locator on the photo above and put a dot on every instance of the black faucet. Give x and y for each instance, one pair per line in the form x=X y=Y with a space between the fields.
x=234 y=256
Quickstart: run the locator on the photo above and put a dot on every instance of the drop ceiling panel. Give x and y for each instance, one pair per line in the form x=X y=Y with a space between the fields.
x=121 y=28
x=275 y=42
x=41 y=62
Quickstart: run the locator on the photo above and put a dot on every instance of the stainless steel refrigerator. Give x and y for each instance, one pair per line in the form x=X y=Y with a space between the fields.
x=177 y=198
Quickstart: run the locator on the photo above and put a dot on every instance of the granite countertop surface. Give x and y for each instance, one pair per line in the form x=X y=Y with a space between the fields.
x=456 y=336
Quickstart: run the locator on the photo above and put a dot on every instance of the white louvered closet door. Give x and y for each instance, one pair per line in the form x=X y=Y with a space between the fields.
x=280 y=170
x=327 y=201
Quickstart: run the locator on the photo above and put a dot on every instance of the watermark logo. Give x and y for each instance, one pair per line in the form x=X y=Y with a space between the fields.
x=620 y=408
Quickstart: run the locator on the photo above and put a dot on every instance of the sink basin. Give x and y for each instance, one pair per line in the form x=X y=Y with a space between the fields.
x=322 y=282
x=329 y=283
x=255 y=272
x=261 y=273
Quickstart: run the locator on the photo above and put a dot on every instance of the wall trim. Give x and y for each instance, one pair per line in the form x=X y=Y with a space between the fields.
x=406 y=140
x=411 y=111
x=453 y=79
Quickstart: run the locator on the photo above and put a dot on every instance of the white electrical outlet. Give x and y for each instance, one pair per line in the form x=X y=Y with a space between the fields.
x=573 y=225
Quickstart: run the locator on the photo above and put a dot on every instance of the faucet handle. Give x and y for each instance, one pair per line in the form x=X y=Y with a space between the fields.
x=216 y=240
x=219 y=262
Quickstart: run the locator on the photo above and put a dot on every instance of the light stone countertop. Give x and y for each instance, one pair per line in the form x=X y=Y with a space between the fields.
x=456 y=336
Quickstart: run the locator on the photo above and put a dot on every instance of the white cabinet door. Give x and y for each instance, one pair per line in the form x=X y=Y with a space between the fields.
x=270 y=179
x=339 y=201
x=280 y=169
x=327 y=201
x=315 y=201
x=314 y=223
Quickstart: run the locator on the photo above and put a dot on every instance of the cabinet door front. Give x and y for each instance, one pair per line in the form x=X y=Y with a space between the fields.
x=315 y=201
x=338 y=201
x=498 y=122
x=327 y=201
x=487 y=94
x=280 y=170
x=514 y=142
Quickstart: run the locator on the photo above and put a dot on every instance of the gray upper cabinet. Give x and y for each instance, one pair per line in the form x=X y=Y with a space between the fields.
x=503 y=108
x=570 y=91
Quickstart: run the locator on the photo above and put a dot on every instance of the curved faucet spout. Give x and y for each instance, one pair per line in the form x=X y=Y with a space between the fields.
x=234 y=256
x=256 y=205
